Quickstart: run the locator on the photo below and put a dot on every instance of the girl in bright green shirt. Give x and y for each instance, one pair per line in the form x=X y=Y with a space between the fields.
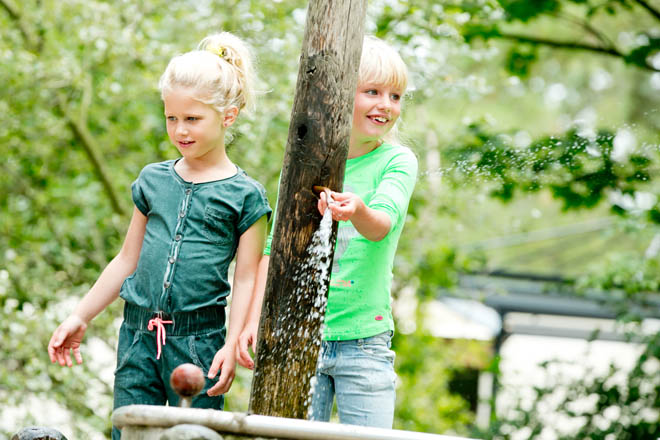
x=356 y=363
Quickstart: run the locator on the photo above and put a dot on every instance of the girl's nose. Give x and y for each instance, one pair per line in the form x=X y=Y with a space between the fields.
x=181 y=129
x=385 y=103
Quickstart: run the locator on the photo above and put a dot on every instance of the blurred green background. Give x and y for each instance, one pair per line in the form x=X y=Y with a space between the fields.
x=526 y=116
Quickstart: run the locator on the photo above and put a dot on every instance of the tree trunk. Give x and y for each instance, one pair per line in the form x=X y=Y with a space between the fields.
x=317 y=147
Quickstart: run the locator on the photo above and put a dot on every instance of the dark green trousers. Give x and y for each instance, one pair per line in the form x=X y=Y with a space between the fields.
x=141 y=379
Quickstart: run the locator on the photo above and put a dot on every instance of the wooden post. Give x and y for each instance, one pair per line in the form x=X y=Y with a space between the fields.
x=317 y=148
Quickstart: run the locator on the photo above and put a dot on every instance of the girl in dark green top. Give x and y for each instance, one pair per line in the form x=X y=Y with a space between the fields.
x=192 y=216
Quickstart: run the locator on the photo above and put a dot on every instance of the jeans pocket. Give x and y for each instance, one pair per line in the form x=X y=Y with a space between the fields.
x=204 y=347
x=128 y=338
x=378 y=346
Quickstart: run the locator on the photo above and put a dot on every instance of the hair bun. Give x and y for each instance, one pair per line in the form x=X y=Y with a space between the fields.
x=225 y=83
x=216 y=49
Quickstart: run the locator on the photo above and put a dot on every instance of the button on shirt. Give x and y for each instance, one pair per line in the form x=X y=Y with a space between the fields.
x=191 y=237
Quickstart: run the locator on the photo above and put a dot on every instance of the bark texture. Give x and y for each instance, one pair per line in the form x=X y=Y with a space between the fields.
x=317 y=147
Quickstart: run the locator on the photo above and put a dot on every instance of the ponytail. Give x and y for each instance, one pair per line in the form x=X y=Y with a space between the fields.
x=221 y=71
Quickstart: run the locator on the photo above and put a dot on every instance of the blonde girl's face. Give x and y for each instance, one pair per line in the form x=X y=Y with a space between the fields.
x=195 y=128
x=377 y=107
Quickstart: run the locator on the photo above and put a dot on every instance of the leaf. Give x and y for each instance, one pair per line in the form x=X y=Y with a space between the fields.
x=639 y=56
x=525 y=10
x=520 y=59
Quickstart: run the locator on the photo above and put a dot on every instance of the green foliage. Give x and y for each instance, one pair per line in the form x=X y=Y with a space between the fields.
x=520 y=60
x=641 y=54
x=525 y=10
x=637 y=275
x=425 y=365
x=587 y=26
x=606 y=405
x=578 y=170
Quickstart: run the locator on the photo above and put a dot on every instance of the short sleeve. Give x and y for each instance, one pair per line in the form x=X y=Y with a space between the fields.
x=269 y=240
x=269 y=243
x=255 y=206
x=138 y=195
x=396 y=186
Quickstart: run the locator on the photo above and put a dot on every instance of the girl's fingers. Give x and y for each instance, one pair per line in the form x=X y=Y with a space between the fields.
x=226 y=379
x=55 y=341
x=244 y=358
x=245 y=361
x=215 y=366
x=223 y=385
x=77 y=355
x=67 y=358
x=60 y=357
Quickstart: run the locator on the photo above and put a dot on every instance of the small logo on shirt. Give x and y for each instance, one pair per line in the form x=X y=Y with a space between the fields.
x=342 y=283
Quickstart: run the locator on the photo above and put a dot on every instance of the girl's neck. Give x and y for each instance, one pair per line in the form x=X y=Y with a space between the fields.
x=215 y=165
x=357 y=149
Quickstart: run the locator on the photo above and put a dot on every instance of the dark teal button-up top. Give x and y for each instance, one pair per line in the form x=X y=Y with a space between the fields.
x=191 y=237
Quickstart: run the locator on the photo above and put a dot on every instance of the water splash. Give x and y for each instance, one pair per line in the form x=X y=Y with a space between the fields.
x=311 y=278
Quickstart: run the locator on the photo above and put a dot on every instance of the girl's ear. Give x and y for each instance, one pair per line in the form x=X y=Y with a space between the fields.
x=230 y=116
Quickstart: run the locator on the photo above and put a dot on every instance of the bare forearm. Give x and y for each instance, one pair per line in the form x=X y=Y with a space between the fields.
x=254 y=313
x=372 y=224
x=105 y=290
x=240 y=305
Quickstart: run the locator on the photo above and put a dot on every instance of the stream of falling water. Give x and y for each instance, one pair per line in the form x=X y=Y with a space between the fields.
x=310 y=278
x=319 y=262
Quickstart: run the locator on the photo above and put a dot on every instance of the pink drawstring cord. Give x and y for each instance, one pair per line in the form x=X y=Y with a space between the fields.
x=160 y=331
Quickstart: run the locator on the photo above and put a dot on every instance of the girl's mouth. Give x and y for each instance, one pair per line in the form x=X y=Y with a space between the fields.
x=378 y=119
x=185 y=144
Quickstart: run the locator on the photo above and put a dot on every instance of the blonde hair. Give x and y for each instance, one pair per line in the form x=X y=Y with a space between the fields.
x=381 y=64
x=221 y=71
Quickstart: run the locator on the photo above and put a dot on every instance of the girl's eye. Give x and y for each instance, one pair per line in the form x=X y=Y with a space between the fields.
x=395 y=97
x=371 y=92
x=171 y=118
x=192 y=118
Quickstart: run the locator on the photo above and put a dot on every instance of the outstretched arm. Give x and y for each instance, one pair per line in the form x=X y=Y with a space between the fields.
x=372 y=224
x=250 y=248
x=68 y=336
x=387 y=205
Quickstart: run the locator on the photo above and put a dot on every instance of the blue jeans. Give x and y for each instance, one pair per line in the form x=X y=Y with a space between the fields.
x=360 y=372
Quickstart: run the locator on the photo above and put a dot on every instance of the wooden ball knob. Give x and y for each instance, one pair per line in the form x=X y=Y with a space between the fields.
x=187 y=380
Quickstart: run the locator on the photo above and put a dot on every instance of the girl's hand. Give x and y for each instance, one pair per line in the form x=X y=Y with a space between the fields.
x=343 y=205
x=247 y=339
x=66 y=338
x=225 y=362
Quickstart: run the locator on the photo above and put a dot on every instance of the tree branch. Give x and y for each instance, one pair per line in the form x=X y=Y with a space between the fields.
x=584 y=24
x=86 y=99
x=560 y=44
x=567 y=45
x=91 y=148
x=79 y=129
x=32 y=40
x=654 y=12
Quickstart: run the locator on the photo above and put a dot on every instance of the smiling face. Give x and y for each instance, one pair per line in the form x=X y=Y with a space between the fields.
x=195 y=128
x=376 y=109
